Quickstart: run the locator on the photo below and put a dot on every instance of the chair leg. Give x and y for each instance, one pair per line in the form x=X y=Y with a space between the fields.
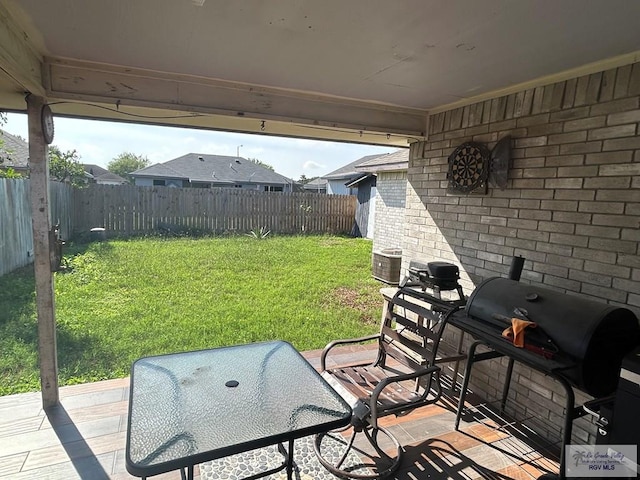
x=354 y=461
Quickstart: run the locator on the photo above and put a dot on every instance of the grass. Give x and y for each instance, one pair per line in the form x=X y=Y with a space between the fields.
x=121 y=300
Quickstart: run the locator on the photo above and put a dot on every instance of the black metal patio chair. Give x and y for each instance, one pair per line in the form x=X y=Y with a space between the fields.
x=402 y=377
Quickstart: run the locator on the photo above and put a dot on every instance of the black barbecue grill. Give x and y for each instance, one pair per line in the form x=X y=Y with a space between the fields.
x=434 y=278
x=577 y=341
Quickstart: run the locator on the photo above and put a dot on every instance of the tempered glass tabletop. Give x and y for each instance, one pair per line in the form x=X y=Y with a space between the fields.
x=187 y=408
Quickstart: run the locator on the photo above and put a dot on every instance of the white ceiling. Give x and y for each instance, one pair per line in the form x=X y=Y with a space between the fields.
x=316 y=68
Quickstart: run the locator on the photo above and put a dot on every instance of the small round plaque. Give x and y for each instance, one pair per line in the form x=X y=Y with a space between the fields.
x=231 y=383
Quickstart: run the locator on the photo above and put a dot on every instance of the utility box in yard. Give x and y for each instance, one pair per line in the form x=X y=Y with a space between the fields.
x=386 y=265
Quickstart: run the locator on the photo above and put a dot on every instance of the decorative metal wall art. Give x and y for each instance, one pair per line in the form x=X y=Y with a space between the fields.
x=500 y=158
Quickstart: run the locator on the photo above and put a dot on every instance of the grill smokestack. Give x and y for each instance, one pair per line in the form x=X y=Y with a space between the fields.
x=517 y=263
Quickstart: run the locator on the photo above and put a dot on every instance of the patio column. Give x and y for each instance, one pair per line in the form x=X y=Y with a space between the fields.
x=41 y=223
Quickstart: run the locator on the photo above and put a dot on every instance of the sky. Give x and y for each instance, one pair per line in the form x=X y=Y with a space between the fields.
x=99 y=142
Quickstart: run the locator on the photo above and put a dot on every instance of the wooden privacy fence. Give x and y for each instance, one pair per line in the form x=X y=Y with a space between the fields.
x=16 y=234
x=125 y=210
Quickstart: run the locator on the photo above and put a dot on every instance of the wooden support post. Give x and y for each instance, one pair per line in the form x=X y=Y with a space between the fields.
x=41 y=222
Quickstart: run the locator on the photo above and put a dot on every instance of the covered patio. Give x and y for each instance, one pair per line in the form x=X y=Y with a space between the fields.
x=84 y=438
x=560 y=79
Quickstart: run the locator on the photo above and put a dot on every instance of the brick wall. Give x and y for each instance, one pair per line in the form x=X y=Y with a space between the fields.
x=571 y=207
x=390 y=208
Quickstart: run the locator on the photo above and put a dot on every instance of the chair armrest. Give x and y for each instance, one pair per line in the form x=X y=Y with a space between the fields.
x=347 y=341
x=385 y=382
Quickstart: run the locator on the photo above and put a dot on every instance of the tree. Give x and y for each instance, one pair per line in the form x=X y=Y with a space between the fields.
x=125 y=163
x=66 y=167
x=8 y=172
x=304 y=179
x=262 y=164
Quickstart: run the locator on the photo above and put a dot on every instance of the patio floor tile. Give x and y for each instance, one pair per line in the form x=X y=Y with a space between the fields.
x=85 y=437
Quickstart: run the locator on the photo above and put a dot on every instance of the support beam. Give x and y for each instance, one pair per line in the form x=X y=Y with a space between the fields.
x=121 y=86
x=45 y=304
x=18 y=58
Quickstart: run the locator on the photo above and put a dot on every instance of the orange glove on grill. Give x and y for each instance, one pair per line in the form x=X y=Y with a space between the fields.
x=516 y=331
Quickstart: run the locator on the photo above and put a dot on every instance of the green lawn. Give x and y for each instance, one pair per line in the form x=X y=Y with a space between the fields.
x=124 y=299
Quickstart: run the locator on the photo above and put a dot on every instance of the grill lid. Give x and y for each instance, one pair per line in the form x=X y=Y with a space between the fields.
x=595 y=335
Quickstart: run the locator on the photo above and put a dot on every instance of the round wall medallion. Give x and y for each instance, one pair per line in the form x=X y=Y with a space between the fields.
x=46 y=117
x=468 y=167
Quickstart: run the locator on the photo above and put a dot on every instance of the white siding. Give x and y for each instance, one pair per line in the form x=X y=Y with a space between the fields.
x=338 y=187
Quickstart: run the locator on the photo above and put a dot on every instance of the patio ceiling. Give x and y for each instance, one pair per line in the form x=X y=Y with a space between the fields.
x=363 y=70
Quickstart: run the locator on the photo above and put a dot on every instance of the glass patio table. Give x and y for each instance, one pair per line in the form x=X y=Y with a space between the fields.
x=192 y=407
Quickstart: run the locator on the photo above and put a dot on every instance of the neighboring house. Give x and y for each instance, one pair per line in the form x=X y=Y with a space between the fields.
x=14 y=153
x=197 y=170
x=382 y=214
x=317 y=185
x=102 y=176
x=338 y=180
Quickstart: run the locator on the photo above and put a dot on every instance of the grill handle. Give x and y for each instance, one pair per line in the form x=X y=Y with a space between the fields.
x=592 y=407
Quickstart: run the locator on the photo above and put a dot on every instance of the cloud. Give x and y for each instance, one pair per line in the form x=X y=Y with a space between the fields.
x=311 y=165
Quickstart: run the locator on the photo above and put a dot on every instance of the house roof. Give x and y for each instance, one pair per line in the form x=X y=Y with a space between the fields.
x=359 y=179
x=395 y=161
x=199 y=167
x=15 y=152
x=110 y=177
x=316 y=184
x=95 y=170
x=348 y=170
